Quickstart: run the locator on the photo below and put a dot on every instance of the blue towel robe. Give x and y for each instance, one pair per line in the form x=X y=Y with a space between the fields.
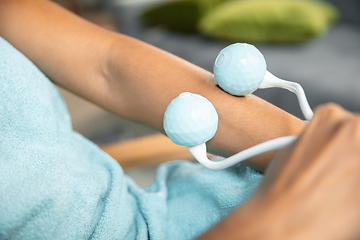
x=56 y=184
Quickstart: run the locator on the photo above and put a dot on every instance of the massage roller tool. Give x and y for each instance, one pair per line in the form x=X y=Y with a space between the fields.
x=191 y=120
x=240 y=69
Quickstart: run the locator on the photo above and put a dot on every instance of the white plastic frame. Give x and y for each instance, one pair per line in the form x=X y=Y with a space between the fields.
x=270 y=81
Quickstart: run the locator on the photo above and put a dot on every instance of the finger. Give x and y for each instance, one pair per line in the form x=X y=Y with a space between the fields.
x=327 y=118
x=331 y=112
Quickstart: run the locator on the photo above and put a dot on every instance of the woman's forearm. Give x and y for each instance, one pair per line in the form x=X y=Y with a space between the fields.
x=133 y=79
x=143 y=80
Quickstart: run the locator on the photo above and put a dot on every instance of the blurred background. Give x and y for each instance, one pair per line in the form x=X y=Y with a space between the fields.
x=315 y=43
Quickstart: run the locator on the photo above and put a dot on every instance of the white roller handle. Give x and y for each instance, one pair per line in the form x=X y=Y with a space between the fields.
x=271 y=81
x=199 y=152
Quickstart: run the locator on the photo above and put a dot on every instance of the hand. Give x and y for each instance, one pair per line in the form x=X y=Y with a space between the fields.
x=311 y=189
x=313 y=186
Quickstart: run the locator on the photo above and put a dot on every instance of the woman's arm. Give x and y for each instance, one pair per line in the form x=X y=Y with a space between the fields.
x=133 y=79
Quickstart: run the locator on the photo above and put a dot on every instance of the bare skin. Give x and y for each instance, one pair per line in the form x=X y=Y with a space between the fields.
x=311 y=189
x=133 y=79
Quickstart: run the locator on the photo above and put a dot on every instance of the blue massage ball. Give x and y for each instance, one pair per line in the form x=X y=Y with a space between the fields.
x=190 y=120
x=239 y=69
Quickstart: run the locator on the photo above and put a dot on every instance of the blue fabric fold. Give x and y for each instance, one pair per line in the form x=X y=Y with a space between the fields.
x=56 y=184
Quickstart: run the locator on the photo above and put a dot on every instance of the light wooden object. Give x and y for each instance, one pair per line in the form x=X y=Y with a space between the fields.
x=145 y=151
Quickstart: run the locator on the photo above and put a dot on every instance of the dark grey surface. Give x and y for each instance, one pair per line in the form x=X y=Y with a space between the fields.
x=115 y=129
x=349 y=9
x=327 y=67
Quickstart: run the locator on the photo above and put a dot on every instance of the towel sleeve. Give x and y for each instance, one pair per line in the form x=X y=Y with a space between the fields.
x=55 y=184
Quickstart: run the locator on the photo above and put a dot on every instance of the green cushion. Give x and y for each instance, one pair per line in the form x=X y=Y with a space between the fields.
x=180 y=15
x=264 y=21
x=205 y=6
